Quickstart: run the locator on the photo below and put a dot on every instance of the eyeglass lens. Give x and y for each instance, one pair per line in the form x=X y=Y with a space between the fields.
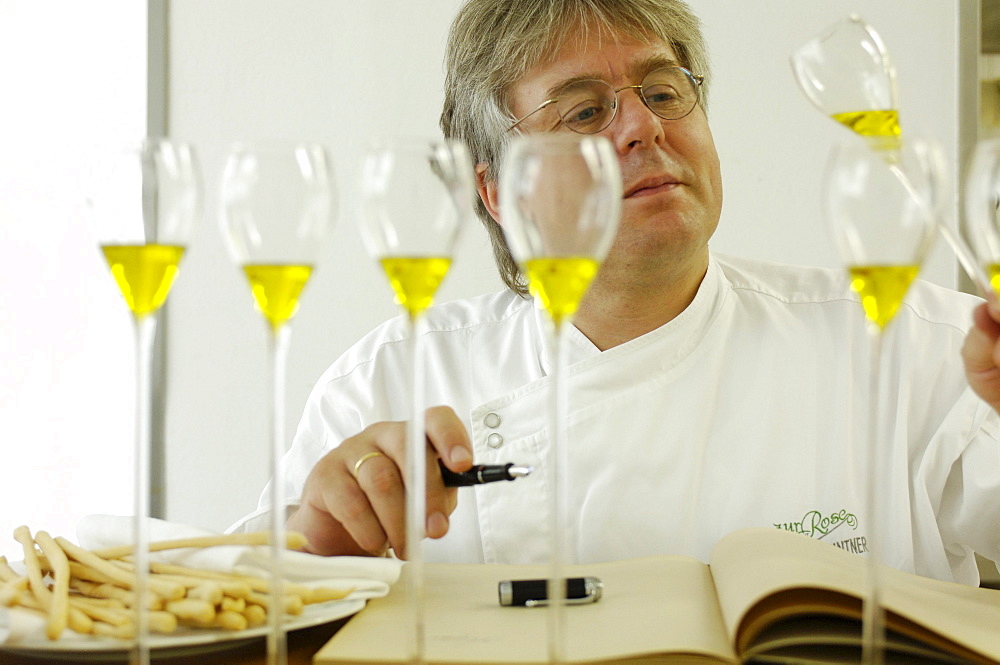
x=587 y=107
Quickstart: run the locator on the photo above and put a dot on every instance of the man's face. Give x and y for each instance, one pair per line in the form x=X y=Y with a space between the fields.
x=670 y=169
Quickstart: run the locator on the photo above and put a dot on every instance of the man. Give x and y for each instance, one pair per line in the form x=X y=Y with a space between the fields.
x=706 y=394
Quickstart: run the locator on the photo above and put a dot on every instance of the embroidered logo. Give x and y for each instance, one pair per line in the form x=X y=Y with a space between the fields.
x=816 y=525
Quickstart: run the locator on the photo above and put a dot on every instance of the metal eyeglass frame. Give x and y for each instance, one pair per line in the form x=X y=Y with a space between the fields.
x=696 y=80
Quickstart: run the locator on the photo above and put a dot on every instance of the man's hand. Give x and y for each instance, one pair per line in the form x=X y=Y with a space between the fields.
x=341 y=514
x=981 y=355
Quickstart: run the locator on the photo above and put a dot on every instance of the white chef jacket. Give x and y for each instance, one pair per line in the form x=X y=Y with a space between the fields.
x=748 y=409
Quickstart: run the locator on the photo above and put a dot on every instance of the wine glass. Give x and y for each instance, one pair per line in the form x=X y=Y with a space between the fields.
x=882 y=217
x=846 y=72
x=982 y=207
x=560 y=202
x=277 y=205
x=415 y=196
x=143 y=215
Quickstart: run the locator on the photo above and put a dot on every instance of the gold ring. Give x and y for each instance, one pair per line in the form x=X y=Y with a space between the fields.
x=364 y=458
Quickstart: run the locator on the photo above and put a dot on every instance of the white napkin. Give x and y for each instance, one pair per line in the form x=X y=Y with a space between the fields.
x=17 y=625
x=370 y=577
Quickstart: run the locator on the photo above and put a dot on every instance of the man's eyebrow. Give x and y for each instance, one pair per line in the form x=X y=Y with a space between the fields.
x=640 y=69
x=637 y=71
x=557 y=88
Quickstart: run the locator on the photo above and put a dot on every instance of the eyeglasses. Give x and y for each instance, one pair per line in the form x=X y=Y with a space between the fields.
x=589 y=106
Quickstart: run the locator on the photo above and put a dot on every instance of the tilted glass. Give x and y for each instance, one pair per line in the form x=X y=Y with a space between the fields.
x=589 y=106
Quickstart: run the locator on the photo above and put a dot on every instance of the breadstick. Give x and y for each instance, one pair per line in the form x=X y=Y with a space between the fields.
x=113 y=592
x=124 y=632
x=59 y=607
x=78 y=621
x=230 y=620
x=114 y=616
x=255 y=615
x=207 y=591
x=112 y=603
x=190 y=609
x=230 y=604
x=81 y=572
x=293 y=541
x=8 y=594
x=159 y=622
x=167 y=589
x=157 y=589
x=232 y=585
x=19 y=584
x=312 y=595
x=8 y=574
x=292 y=604
x=93 y=591
x=33 y=568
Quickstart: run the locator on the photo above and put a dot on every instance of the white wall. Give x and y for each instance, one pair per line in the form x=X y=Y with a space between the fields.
x=328 y=70
x=71 y=88
x=773 y=142
x=331 y=70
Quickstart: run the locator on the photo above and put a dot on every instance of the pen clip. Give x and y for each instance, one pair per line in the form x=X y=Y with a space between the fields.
x=542 y=602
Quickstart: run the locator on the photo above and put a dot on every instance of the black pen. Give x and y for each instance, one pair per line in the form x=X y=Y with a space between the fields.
x=482 y=473
x=535 y=593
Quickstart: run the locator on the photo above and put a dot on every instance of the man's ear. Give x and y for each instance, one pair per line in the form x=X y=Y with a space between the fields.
x=488 y=192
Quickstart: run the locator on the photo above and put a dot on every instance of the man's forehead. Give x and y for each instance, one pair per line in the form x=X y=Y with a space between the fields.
x=591 y=54
x=601 y=48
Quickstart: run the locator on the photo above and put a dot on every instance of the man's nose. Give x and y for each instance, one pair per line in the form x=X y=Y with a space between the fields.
x=635 y=125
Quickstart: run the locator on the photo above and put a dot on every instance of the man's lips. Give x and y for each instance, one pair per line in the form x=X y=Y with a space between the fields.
x=650 y=186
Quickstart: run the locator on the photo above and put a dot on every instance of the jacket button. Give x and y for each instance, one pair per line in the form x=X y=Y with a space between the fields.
x=494 y=440
x=492 y=420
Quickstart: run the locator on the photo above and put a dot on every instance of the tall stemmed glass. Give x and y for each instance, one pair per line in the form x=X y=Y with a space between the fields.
x=560 y=202
x=277 y=204
x=143 y=214
x=982 y=207
x=882 y=218
x=415 y=196
x=847 y=74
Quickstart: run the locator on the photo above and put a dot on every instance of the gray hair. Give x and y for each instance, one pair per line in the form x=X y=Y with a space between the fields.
x=494 y=43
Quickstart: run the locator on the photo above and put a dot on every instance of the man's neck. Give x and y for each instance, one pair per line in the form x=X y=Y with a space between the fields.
x=620 y=308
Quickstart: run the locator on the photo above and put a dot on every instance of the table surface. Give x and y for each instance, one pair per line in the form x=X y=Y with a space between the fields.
x=302 y=646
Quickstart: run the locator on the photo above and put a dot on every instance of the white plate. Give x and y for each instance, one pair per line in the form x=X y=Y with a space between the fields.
x=184 y=641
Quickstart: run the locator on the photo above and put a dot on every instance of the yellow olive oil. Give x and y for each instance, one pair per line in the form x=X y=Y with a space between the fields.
x=559 y=283
x=276 y=289
x=993 y=270
x=882 y=289
x=415 y=279
x=880 y=128
x=144 y=273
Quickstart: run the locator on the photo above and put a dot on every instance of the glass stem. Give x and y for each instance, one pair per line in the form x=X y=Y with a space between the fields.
x=873 y=619
x=559 y=510
x=962 y=251
x=145 y=333
x=277 y=650
x=416 y=487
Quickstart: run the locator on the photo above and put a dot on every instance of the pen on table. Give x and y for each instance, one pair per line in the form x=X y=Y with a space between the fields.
x=482 y=473
x=535 y=593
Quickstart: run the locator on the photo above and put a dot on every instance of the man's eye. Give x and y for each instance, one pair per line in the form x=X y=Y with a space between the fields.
x=660 y=95
x=585 y=113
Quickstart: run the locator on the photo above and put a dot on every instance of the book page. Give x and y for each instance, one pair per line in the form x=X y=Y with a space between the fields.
x=649 y=607
x=765 y=574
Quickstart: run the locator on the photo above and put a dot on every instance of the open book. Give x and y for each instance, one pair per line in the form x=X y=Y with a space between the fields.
x=768 y=596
